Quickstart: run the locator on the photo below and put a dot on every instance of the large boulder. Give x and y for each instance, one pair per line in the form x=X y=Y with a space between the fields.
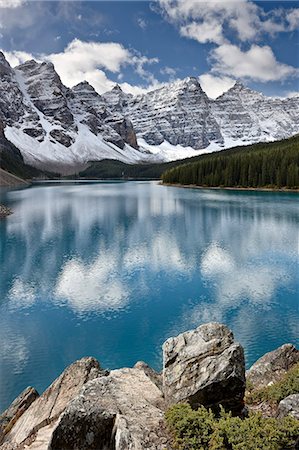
x=271 y=367
x=123 y=411
x=289 y=406
x=34 y=427
x=206 y=367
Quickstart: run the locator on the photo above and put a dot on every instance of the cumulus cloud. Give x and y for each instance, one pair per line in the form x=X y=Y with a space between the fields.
x=241 y=20
x=209 y=31
x=89 y=60
x=215 y=85
x=211 y=21
x=16 y=57
x=257 y=63
x=79 y=55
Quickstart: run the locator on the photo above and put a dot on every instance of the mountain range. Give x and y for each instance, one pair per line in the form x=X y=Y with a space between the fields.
x=58 y=128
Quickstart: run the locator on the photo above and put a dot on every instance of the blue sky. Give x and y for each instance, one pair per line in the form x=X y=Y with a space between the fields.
x=143 y=44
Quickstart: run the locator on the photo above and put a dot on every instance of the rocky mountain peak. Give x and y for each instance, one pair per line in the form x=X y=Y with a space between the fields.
x=85 y=89
x=83 y=85
x=5 y=68
x=3 y=60
x=117 y=88
x=192 y=84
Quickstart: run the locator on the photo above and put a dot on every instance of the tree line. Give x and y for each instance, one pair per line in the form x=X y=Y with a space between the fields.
x=274 y=164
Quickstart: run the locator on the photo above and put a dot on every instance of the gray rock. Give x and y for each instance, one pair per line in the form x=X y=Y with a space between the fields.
x=9 y=417
x=154 y=376
x=289 y=406
x=34 y=427
x=272 y=366
x=123 y=411
x=205 y=367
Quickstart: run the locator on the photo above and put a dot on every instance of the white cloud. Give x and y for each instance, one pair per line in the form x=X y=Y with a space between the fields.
x=86 y=56
x=168 y=71
x=15 y=58
x=257 y=63
x=211 y=21
x=219 y=22
x=293 y=94
x=10 y=3
x=293 y=19
x=209 y=31
x=215 y=85
x=88 y=61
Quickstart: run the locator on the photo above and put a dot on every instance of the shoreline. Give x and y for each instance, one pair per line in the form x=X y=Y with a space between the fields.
x=194 y=186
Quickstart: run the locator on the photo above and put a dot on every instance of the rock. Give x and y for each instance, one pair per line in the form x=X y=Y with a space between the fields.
x=272 y=366
x=154 y=376
x=9 y=417
x=123 y=411
x=38 y=421
x=62 y=137
x=124 y=128
x=205 y=367
x=4 y=211
x=289 y=406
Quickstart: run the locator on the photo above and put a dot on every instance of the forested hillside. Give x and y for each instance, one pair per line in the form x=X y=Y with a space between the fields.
x=274 y=164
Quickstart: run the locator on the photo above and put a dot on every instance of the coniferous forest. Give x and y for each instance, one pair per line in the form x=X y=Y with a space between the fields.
x=273 y=165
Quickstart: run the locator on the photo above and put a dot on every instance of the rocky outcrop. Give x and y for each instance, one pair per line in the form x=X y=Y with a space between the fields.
x=9 y=417
x=272 y=366
x=289 y=406
x=36 y=424
x=122 y=411
x=154 y=376
x=87 y=408
x=204 y=366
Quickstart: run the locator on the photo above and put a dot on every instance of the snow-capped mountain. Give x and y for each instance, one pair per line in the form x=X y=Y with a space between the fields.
x=54 y=126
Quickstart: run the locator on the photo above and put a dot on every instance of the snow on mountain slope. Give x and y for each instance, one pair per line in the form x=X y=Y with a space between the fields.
x=178 y=113
x=54 y=126
x=247 y=115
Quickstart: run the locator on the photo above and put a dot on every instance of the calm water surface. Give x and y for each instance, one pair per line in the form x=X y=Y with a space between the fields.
x=113 y=269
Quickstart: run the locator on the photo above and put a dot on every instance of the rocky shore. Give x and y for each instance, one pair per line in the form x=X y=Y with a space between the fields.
x=4 y=211
x=88 y=407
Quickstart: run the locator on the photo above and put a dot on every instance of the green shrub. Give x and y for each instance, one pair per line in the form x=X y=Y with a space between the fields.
x=288 y=385
x=201 y=430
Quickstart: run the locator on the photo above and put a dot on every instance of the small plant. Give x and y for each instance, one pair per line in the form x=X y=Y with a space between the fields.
x=201 y=430
x=288 y=385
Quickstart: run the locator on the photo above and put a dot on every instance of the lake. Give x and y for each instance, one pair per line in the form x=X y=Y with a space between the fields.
x=112 y=269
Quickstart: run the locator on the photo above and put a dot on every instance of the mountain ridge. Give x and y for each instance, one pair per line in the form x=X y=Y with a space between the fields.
x=53 y=125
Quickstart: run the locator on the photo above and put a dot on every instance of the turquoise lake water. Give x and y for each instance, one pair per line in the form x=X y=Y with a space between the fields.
x=113 y=269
